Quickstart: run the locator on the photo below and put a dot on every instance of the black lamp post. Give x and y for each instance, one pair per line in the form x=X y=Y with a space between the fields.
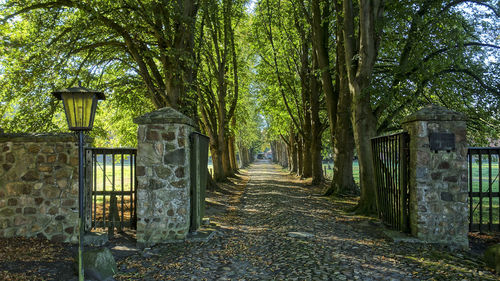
x=80 y=105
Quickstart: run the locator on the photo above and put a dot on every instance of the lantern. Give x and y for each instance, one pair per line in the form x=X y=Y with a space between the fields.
x=80 y=105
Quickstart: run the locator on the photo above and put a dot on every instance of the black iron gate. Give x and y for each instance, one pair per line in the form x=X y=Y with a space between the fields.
x=111 y=195
x=390 y=159
x=484 y=188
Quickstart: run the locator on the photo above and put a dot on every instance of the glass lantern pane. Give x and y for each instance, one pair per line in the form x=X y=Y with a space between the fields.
x=69 y=107
x=87 y=110
x=78 y=109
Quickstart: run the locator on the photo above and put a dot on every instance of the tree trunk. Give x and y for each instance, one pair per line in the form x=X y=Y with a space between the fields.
x=289 y=155
x=285 y=156
x=226 y=165
x=293 y=153
x=232 y=154
x=343 y=145
x=217 y=162
x=278 y=153
x=246 y=156
x=359 y=65
x=211 y=184
x=306 y=154
x=300 y=159
x=232 y=147
x=273 y=150
x=241 y=151
x=366 y=129
x=343 y=152
x=250 y=155
x=287 y=152
x=315 y=149
x=281 y=154
x=305 y=73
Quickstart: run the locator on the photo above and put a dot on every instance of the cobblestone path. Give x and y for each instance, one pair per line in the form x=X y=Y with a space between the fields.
x=252 y=242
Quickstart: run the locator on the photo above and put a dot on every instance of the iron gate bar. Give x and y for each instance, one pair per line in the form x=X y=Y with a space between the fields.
x=104 y=189
x=112 y=198
x=493 y=194
x=404 y=200
x=133 y=182
x=116 y=191
x=490 y=210
x=105 y=150
x=471 y=209
x=378 y=179
x=394 y=181
x=390 y=177
x=390 y=157
x=487 y=152
x=480 y=162
x=395 y=196
x=94 y=160
x=121 y=162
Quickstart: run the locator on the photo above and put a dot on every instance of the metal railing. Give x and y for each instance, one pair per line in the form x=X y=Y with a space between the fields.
x=390 y=159
x=111 y=188
x=484 y=188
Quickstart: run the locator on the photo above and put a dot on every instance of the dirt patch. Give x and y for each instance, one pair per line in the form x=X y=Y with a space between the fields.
x=35 y=259
x=479 y=242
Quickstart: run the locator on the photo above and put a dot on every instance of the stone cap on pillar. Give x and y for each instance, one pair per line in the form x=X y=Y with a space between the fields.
x=434 y=112
x=165 y=115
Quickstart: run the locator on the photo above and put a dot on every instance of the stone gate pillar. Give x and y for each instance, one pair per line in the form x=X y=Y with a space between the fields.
x=438 y=176
x=163 y=191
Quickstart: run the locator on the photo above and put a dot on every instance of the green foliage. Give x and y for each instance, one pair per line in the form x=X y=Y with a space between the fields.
x=444 y=53
x=277 y=64
x=51 y=45
x=249 y=122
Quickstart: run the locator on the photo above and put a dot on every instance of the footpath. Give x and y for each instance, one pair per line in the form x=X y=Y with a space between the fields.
x=272 y=226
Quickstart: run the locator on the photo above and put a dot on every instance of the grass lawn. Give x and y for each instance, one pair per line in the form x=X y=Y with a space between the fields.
x=483 y=185
x=211 y=169
x=329 y=170
x=104 y=182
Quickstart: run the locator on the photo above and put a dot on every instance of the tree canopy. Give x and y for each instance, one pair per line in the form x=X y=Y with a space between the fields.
x=303 y=75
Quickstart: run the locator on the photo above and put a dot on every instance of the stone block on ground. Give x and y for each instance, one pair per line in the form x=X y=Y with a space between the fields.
x=95 y=239
x=492 y=257
x=202 y=235
x=299 y=234
x=99 y=264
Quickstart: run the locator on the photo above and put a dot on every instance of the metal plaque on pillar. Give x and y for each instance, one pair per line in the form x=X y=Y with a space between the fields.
x=442 y=141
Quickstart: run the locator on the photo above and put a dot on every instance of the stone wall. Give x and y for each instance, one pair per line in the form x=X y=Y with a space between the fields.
x=438 y=180
x=163 y=191
x=39 y=186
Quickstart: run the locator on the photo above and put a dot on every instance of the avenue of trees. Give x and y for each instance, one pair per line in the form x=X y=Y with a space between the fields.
x=303 y=75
